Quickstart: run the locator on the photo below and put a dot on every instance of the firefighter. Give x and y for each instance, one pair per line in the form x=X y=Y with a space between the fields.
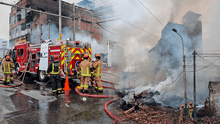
x=190 y=107
x=7 y=66
x=181 y=114
x=86 y=70
x=11 y=60
x=97 y=72
x=77 y=72
x=55 y=78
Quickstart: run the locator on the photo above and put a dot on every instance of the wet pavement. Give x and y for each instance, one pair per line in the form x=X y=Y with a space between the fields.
x=32 y=104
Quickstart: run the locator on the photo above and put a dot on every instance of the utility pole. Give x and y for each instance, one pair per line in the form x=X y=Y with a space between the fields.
x=49 y=30
x=194 y=83
x=40 y=27
x=60 y=23
x=74 y=23
x=185 y=94
x=184 y=71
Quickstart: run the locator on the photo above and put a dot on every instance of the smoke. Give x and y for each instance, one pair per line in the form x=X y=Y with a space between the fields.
x=54 y=33
x=144 y=66
x=97 y=47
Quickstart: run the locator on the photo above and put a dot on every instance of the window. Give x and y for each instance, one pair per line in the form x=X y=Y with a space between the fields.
x=33 y=56
x=38 y=57
x=23 y=26
x=14 y=54
x=21 y=52
x=32 y=60
x=19 y=18
x=14 y=16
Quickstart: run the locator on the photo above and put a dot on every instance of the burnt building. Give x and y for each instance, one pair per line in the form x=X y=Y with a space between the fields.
x=167 y=53
x=24 y=24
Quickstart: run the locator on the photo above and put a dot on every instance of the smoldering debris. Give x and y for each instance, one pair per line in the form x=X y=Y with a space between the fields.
x=145 y=97
x=142 y=108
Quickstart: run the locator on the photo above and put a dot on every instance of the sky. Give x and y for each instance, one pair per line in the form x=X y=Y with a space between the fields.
x=4 y=19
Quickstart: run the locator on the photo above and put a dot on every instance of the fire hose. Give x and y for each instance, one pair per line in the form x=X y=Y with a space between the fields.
x=108 y=112
x=17 y=80
x=104 y=96
x=110 y=74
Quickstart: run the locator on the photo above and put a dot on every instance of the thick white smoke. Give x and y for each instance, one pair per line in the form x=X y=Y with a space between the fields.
x=97 y=47
x=131 y=28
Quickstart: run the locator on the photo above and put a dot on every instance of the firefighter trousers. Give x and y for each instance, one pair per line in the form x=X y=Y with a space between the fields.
x=98 y=82
x=55 y=81
x=11 y=77
x=84 y=84
x=190 y=114
x=7 y=77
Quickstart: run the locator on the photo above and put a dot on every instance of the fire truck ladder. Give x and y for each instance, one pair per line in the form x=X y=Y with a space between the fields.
x=67 y=59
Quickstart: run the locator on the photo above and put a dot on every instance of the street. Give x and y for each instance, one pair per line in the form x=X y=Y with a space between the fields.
x=31 y=104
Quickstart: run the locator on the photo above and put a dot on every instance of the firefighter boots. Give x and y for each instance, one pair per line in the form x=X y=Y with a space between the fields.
x=5 y=83
x=60 y=91
x=85 y=91
x=81 y=90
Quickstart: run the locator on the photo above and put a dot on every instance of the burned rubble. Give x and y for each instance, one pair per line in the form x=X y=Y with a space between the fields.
x=143 y=98
x=142 y=108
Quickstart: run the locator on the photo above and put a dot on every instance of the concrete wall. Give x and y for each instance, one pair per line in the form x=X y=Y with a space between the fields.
x=214 y=97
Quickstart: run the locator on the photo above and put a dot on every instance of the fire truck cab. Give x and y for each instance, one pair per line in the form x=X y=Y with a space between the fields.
x=35 y=58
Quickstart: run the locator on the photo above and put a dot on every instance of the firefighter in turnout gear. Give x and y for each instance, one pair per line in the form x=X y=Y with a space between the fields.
x=7 y=67
x=190 y=107
x=55 y=78
x=11 y=60
x=181 y=114
x=77 y=72
x=86 y=70
x=97 y=72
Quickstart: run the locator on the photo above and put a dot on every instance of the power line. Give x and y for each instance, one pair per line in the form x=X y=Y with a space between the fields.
x=205 y=66
x=106 y=29
x=151 y=34
x=157 y=19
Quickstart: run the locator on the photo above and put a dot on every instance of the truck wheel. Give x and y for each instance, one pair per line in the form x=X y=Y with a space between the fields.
x=42 y=75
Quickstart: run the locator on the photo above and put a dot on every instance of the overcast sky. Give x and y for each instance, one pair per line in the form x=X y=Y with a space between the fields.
x=4 y=19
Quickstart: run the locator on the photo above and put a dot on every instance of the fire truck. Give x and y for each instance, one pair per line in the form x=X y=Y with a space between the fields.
x=35 y=58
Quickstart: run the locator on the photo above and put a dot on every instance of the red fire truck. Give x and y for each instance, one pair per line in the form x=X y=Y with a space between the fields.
x=35 y=58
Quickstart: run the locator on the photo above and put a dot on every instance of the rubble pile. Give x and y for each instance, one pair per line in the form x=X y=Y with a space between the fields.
x=149 y=114
x=143 y=109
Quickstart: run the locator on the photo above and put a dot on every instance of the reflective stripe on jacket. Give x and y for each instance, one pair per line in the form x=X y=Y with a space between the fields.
x=190 y=108
x=7 y=66
x=55 y=72
x=85 y=68
x=98 y=68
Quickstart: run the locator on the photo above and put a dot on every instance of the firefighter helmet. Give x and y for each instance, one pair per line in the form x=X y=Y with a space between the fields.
x=86 y=56
x=97 y=55
x=7 y=57
x=56 y=58
x=190 y=103
x=182 y=105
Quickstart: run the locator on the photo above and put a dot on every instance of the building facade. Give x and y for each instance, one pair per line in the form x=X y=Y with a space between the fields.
x=167 y=53
x=24 y=23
